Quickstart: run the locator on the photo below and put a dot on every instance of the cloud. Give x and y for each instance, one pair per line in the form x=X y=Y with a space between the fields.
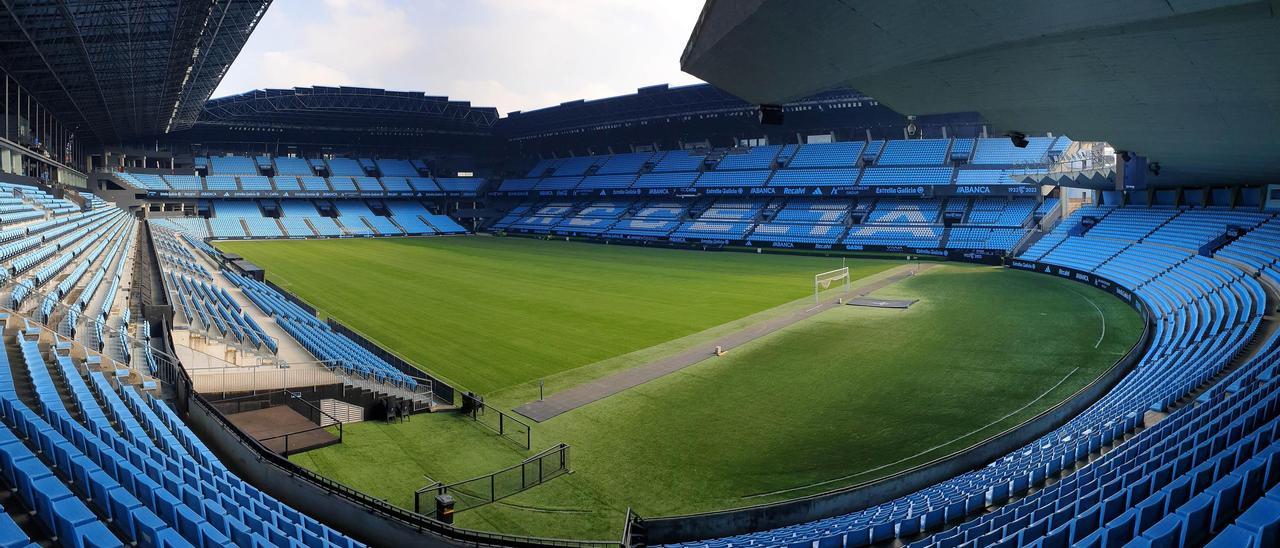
x=284 y=68
x=510 y=54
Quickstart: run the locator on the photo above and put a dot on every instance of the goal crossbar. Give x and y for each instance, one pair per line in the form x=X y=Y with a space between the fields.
x=825 y=279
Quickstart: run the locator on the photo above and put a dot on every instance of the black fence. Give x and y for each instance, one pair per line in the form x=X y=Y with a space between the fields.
x=363 y=517
x=479 y=491
x=284 y=444
x=505 y=425
x=293 y=398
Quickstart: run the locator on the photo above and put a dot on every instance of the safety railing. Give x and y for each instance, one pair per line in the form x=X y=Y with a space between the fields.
x=479 y=491
x=495 y=419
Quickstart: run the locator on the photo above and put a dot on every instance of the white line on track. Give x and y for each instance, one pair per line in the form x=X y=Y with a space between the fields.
x=1101 y=317
x=931 y=449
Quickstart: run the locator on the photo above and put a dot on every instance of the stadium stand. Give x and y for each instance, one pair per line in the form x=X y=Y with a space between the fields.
x=93 y=457
x=106 y=439
x=344 y=184
x=396 y=184
x=1200 y=475
x=409 y=215
x=992 y=224
x=1002 y=151
x=314 y=183
x=596 y=182
x=286 y=183
x=517 y=185
x=918 y=152
x=232 y=165
x=397 y=168
x=292 y=166
x=760 y=157
x=344 y=168
x=977 y=176
x=457 y=184
x=255 y=182
x=318 y=337
x=220 y=182
x=814 y=177
x=906 y=176
x=845 y=154
x=227 y=227
x=623 y=164
x=732 y=178
x=680 y=160
x=423 y=184
x=558 y=183
x=577 y=166
x=183 y=182
x=681 y=179
x=352 y=215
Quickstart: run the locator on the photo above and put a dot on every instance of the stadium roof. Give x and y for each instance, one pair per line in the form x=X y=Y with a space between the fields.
x=124 y=69
x=1193 y=85
x=347 y=108
x=647 y=103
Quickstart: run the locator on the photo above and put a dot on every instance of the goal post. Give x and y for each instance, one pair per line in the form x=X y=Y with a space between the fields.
x=824 y=280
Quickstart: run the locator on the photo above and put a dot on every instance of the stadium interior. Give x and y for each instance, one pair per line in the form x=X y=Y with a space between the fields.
x=348 y=316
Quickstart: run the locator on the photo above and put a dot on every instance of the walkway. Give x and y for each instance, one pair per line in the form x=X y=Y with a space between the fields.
x=578 y=396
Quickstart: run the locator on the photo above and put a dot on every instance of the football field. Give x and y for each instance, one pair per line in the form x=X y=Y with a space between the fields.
x=844 y=397
x=488 y=313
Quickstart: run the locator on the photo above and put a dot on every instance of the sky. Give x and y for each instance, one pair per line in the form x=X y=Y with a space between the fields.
x=508 y=54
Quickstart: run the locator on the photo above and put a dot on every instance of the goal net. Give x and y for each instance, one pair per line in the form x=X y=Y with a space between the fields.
x=825 y=280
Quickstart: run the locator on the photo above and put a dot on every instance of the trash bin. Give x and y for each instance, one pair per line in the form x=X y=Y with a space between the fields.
x=444 y=508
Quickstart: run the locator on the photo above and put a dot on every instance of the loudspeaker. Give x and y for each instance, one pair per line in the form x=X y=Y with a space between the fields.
x=769 y=115
x=1018 y=138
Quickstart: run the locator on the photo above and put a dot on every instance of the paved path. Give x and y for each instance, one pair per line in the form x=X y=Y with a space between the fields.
x=583 y=394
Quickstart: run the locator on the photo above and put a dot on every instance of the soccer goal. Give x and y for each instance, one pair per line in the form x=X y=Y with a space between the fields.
x=824 y=280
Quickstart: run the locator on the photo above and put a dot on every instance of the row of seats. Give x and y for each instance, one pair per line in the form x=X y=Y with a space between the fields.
x=814 y=177
x=107 y=450
x=110 y=226
x=993 y=223
x=53 y=255
x=318 y=338
x=231 y=164
x=215 y=309
x=904 y=152
x=1194 y=477
x=235 y=219
x=97 y=463
x=294 y=183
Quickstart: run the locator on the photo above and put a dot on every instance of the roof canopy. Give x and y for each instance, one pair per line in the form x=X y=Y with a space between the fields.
x=1192 y=85
x=347 y=108
x=124 y=69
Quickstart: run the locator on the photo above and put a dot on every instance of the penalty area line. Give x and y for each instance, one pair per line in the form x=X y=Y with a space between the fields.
x=926 y=451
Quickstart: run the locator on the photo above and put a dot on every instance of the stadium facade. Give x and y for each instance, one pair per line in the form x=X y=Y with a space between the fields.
x=131 y=338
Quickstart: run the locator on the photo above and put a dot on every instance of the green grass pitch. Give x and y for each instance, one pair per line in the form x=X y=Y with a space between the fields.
x=845 y=397
x=488 y=313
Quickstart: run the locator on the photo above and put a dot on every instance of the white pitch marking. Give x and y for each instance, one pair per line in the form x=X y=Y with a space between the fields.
x=1101 y=317
x=926 y=451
